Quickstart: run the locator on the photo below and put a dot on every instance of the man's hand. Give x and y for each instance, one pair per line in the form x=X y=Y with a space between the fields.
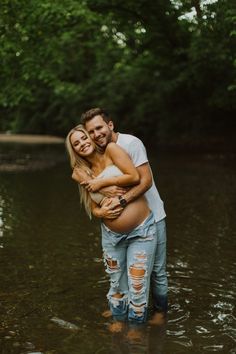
x=114 y=203
x=112 y=191
x=108 y=209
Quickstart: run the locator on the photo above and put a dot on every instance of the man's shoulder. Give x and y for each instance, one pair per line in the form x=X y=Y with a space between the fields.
x=134 y=147
x=128 y=138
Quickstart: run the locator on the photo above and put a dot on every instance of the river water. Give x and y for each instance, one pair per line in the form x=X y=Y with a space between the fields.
x=52 y=281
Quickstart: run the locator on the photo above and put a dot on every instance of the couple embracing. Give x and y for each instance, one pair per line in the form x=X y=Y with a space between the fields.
x=117 y=186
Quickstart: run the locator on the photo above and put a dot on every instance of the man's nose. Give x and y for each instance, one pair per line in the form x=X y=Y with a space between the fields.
x=96 y=134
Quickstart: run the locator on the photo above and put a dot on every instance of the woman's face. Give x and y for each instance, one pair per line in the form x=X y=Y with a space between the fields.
x=81 y=143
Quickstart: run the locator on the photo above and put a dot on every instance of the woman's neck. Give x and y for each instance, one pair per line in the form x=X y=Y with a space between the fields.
x=96 y=160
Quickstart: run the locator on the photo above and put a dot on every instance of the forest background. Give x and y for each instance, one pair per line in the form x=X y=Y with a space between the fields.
x=165 y=70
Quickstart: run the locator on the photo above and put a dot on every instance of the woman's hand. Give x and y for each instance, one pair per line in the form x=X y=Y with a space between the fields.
x=93 y=185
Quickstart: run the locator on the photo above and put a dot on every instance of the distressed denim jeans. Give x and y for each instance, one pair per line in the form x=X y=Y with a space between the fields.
x=159 y=284
x=129 y=260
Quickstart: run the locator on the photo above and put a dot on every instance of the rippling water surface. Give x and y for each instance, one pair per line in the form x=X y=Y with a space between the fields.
x=51 y=268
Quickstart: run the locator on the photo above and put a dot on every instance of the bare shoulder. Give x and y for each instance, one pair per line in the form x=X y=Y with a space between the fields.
x=113 y=148
x=116 y=153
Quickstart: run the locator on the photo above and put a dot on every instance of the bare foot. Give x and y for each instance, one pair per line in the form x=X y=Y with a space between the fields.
x=107 y=314
x=157 y=319
x=116 y=327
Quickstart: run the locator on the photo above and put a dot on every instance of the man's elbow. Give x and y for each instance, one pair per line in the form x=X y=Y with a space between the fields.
x=149 y=183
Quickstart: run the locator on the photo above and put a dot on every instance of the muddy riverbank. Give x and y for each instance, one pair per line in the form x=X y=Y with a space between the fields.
x=30 y=139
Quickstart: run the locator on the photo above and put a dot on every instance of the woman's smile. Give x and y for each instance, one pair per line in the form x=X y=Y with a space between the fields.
x=85 y=147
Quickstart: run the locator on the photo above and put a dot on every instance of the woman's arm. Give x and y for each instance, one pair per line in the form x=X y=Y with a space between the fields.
x=122 y=160
x=79 y=175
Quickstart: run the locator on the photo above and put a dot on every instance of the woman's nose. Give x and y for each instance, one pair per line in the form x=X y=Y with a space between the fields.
x=82 y=143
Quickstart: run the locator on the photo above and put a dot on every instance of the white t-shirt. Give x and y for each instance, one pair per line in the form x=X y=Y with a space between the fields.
x=137 y=151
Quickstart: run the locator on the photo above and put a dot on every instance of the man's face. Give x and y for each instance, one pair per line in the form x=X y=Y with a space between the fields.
x=100 y=131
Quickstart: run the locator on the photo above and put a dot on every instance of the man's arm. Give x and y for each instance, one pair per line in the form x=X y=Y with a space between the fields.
x=144 y=184
x=146 y=181
x=120 y=158
x=107 y=211
x=112 y=209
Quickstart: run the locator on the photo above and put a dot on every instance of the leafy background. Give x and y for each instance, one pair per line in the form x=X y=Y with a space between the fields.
x=163 y=69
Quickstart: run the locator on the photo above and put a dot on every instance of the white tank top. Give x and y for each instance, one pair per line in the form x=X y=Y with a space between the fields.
x=109 y=171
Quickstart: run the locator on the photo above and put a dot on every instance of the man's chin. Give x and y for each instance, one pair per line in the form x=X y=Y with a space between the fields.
x=101 y=144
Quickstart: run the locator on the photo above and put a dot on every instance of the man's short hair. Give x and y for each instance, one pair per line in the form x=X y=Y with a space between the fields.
x=90 y=114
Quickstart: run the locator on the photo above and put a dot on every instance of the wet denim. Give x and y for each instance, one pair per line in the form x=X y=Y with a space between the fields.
x=159 y=283
x=129 y=260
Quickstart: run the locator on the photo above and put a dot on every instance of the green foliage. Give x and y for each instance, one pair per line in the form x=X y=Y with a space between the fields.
x=158 y=71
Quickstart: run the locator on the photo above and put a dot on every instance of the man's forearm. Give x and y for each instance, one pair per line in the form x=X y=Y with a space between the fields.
x=145 y=183
x=135 y=192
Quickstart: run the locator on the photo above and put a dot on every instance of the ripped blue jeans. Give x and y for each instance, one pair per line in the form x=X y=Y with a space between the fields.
x=129 y=261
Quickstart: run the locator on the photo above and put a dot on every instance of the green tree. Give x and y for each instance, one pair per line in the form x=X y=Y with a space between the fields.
x=163 y=68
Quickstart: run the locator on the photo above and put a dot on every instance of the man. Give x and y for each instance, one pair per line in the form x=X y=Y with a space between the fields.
x=101 y=129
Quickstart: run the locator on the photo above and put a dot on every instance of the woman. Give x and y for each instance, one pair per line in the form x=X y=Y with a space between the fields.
x=129 y=240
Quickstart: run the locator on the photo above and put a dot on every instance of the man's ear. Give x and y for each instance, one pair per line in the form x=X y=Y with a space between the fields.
x=111 y=125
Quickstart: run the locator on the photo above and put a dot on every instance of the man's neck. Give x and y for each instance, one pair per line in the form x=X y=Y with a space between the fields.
x=114 y=137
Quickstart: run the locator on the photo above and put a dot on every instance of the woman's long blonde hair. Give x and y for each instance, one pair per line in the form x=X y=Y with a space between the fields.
x=78 y=161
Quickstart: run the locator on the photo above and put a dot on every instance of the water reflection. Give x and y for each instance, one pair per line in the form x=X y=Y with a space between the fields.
x=1 y=218
x=145 y=339
x=51 y=266
x=5 y=217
